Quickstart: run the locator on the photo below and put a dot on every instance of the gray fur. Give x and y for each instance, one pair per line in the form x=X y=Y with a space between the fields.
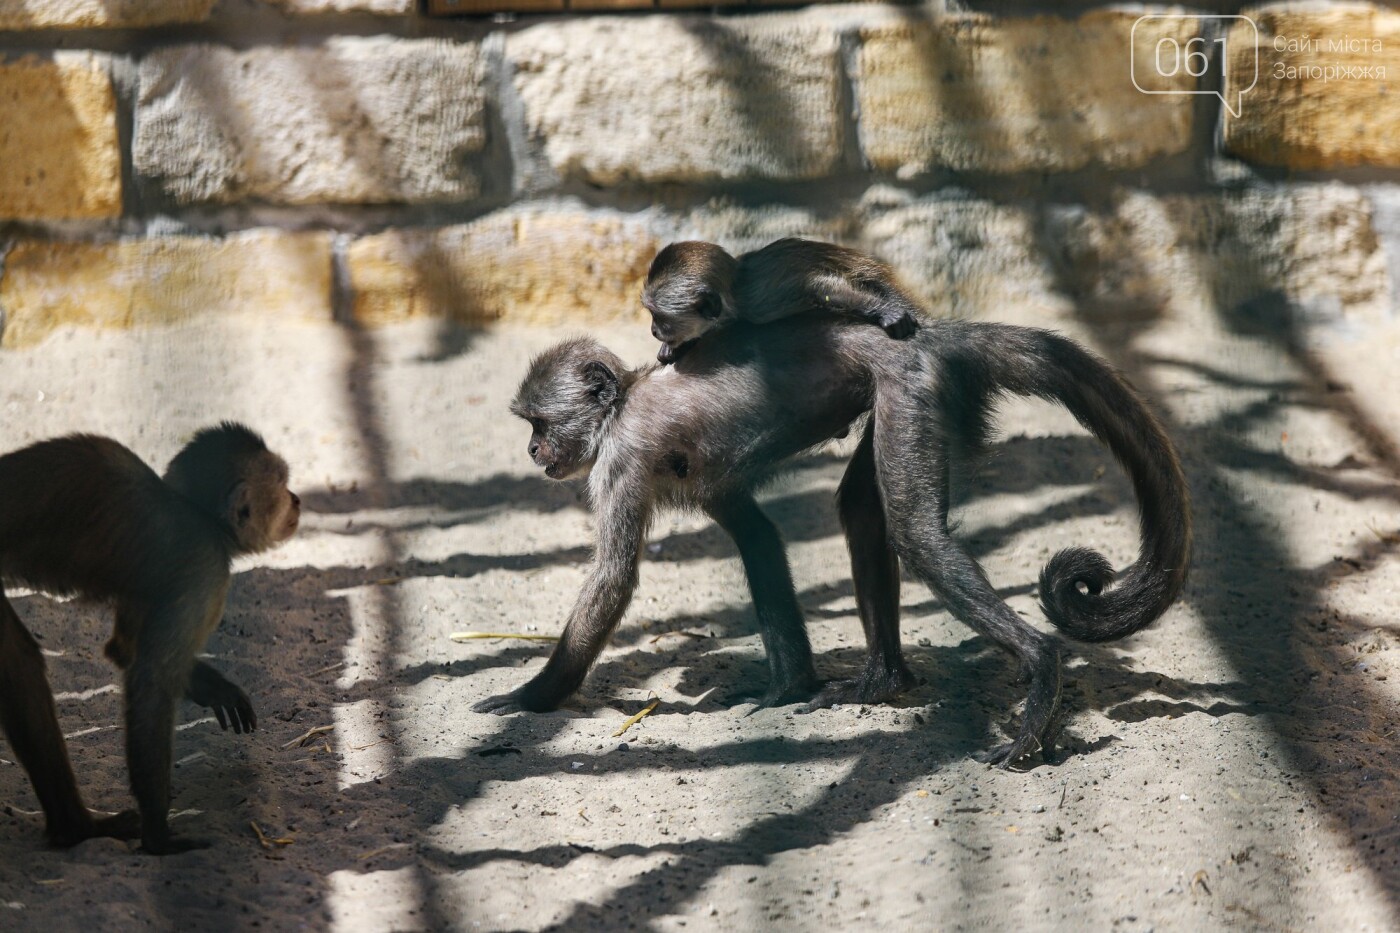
x=746 y=399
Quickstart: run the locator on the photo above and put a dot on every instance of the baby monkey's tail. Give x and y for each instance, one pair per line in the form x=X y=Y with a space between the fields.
x=1075 y=589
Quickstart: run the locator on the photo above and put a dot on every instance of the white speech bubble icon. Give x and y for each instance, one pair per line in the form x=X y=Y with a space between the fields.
x=1172 y=58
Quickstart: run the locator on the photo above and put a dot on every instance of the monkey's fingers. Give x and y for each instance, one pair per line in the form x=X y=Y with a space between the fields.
x=521 y=700
x=501 y=705
x=777 y=695
x=834 y=693
x=243 y=717
x=219 y=714
x=1012 y=754
x=249 y=717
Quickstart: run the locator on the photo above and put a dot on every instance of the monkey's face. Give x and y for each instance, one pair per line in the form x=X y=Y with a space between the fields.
x=688 y=294
x=262 y=511
x=566 y=398
x=680 y=315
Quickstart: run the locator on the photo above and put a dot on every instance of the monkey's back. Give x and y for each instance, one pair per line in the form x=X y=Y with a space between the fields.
x=748 y=397
x=777 y=280
x=82 y=515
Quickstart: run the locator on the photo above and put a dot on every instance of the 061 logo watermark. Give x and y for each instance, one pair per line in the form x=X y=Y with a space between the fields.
x=1173 y=58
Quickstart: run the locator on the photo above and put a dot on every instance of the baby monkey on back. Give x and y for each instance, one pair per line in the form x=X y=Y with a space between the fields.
x=694 y=287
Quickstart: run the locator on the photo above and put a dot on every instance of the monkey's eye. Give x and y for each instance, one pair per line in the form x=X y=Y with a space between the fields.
x=245 y=513
x=537 y=425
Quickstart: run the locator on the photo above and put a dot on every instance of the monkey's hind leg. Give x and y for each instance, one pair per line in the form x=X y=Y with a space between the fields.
x=875 y=576
x=31 y=724
x=913 y=472
x=792 y=676
x=883 y=307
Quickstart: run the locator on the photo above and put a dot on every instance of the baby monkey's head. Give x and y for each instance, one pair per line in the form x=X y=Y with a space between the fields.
x=689 y=292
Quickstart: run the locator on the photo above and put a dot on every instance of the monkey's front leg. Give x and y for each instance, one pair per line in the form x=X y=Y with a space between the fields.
x=151 y=693
x=230 y=704
x=792 y=677
x=622 y=519
x=596 y=613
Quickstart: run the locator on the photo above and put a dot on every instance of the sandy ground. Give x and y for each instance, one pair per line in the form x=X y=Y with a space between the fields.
x=1233 y=767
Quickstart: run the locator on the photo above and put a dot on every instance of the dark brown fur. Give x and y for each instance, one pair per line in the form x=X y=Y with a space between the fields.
x=83 y=516
x=694 y=287
x=747 y=398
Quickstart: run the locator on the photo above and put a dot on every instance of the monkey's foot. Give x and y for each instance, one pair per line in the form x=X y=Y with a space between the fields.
x=1011 y=754
x=521 y=700
x=1041 y=665
x=124 y=825
x=776 y=695
x=865 y=690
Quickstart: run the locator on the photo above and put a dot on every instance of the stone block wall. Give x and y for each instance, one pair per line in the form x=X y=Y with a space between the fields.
x=364 y=161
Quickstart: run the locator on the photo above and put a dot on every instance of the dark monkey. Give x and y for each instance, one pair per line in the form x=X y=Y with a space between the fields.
x=737 y=405
x=83 y=516
x=694 y=287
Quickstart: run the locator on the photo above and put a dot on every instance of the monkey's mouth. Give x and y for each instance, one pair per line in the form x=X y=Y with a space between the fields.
x=670 y=354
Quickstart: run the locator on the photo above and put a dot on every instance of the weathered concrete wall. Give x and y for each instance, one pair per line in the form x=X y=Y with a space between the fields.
x=359 y=159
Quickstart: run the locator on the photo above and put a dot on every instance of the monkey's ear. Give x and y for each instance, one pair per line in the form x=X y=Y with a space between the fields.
x=602 y=382
x=240 y=506
x=711 y=305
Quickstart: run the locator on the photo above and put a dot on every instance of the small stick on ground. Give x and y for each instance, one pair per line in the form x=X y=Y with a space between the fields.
x=267 y=842
x=472 y=636
x=308 y=735
x=1199 y=879
x=1382 y=536
x=683 y=634
x=382 y=849
x=632 y=721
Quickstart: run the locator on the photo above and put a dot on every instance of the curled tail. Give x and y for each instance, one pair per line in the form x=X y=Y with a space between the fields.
x=1078 y=589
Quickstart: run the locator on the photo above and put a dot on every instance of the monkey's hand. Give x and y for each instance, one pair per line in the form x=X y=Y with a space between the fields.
x=898 y=324
x=530 y=698
x=228 y=701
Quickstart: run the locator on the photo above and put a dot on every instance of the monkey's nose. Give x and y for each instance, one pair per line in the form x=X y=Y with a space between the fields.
x=296 y=501
x=655 y=331
x=534 y=449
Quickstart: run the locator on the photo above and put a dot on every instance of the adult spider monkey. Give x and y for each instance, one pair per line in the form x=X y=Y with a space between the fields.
x=747 y=398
